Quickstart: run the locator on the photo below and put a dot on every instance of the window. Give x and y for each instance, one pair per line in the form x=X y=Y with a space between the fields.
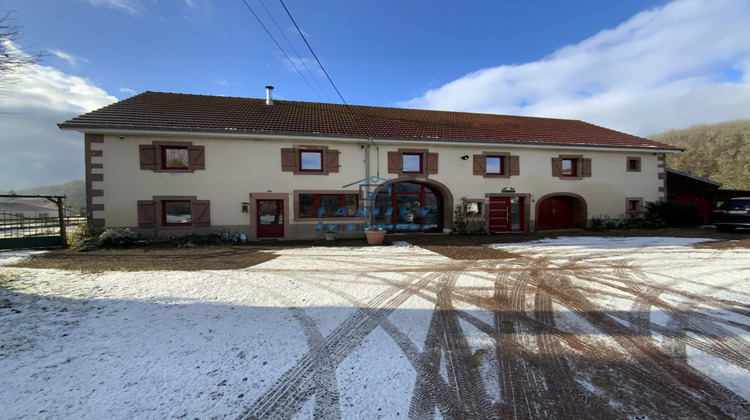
x=634 y=205
x=412 y=162
x=634 y=164
x=496 y=165
x=172 y=157
x=309 y=160
x=312 y=205
x=174 y=212
x=474 y=208
x=571 y=167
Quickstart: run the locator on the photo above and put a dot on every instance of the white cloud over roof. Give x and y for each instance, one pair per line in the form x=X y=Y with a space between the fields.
x=684 y=63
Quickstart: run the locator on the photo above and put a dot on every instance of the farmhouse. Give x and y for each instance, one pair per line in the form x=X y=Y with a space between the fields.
x=171 y=164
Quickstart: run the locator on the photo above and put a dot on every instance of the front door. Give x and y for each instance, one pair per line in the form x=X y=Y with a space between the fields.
x=505 y=214
x=270 y=218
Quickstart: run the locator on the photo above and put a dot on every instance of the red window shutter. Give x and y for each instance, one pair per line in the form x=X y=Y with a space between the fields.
x=585 y=167
x=288 y=160
x=197 y=157
x=332 y=164
x=201 y=213
x=515 y=165
x=557 y=167
x=146 y=213
x=432 y=163
x=148 y=157
x=394 y=162
x=480 y=164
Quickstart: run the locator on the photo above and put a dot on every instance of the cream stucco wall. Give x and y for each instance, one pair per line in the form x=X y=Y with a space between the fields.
x=237 y=167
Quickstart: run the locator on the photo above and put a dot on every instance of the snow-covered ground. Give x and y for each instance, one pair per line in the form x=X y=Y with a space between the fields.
x=350 y=332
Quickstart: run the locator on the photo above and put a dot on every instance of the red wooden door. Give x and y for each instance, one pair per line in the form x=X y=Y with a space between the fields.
x=556 y=213
x=701 y=203
x=499 y=217
x=270 y=218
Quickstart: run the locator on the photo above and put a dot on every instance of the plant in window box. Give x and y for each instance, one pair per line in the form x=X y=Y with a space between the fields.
x=375 y=234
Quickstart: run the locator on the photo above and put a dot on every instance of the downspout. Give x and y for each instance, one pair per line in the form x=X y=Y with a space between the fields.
x=365 y=199
x=368 y=193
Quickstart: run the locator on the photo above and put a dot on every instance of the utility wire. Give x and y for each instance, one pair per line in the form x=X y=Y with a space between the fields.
x=314 y=79
x=279 y=46
x=311 y=50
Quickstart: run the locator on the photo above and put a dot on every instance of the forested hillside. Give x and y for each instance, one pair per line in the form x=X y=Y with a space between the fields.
x=719 y=152
x=74 y=191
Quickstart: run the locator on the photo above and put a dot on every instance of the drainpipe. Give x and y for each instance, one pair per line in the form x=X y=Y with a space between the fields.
x=367 y=178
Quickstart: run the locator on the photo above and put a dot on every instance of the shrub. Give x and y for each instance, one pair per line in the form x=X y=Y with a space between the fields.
x=225 y=236
x=118 y=237
x=673 y=213
x=465 y=223
x=86 y=244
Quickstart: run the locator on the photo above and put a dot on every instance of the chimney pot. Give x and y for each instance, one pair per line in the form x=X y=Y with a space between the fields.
x=269 y=95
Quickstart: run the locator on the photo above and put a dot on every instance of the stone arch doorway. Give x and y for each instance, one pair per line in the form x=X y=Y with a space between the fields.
x=561 y=211
x=409 y=205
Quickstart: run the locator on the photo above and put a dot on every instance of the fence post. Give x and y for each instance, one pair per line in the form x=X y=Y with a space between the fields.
x=61 y=215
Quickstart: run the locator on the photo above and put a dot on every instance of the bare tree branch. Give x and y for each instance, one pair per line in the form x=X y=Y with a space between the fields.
x=12 y=57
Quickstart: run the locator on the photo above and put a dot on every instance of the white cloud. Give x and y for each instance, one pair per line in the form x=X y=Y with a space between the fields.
x=69 y=58
x=663 y=68
x=35 y=151
x=128 y=91
x=131 y=7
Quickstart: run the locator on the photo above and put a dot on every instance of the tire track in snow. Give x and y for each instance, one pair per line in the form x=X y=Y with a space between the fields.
x=289 y=393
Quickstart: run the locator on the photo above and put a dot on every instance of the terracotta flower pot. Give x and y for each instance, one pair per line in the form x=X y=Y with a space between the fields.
x=375 y=237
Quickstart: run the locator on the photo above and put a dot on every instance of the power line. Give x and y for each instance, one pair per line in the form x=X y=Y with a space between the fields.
x=314 y=79
x=279 y=46
x=311 y=50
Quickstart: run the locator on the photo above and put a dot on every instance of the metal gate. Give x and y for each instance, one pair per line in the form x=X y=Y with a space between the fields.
x=29 y=226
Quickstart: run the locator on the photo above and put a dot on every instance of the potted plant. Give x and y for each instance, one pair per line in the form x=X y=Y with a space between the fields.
x=375 y=235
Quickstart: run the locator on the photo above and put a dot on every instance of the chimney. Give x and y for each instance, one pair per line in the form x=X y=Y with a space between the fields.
x=269 y=95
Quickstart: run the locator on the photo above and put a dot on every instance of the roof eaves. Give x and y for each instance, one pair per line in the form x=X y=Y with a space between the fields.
x=695 y=177
x=115 y=127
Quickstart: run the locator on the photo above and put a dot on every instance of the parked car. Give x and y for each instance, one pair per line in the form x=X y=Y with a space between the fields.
x=733 y=213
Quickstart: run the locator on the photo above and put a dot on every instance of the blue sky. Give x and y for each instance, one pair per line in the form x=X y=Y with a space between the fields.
x=636 y=66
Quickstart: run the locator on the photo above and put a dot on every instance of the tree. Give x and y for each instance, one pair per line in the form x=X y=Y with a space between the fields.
x=12 y=57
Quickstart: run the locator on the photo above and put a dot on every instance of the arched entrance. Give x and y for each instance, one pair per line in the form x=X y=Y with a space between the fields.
x=410 y=206
x=561 y=211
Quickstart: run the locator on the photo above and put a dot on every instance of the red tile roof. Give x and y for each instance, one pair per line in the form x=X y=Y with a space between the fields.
x=181 y=112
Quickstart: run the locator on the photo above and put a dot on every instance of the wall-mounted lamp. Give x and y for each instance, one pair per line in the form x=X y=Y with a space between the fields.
x=465 y=157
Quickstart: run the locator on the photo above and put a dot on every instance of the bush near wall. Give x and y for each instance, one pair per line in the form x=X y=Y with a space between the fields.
x=673 y=213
